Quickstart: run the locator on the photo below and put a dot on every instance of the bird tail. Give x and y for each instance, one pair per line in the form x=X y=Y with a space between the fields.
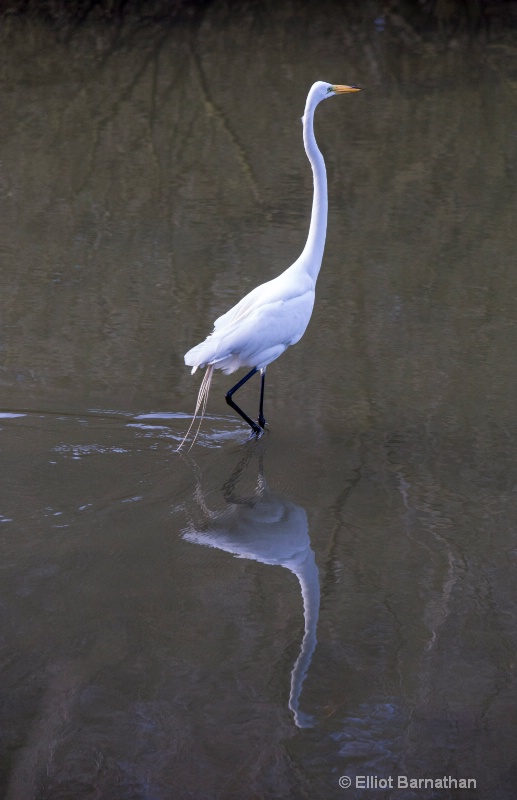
x=201 y=404
x=201 y=354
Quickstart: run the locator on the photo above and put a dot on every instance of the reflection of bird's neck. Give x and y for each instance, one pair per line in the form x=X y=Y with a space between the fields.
x=307 y=574
x=313 y=250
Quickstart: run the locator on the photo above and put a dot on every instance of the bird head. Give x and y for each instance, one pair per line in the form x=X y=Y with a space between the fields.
x=321 y=90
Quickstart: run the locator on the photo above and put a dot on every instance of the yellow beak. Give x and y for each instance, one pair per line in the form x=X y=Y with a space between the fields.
x=339 y=89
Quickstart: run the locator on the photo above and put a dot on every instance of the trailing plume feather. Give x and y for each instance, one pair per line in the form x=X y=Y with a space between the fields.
x=201 y=404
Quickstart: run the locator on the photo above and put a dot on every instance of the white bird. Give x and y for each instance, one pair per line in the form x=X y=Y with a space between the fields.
x=274 y=315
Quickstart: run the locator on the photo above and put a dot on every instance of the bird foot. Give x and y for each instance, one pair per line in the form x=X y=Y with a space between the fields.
x=256 y=433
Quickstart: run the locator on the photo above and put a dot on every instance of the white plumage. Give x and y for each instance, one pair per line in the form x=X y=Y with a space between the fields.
x=275 y=314
x=259 y=328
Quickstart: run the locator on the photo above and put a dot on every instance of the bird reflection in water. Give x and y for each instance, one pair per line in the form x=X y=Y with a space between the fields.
x=269 y=528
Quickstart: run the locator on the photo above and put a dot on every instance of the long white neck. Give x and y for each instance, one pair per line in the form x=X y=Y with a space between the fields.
x=313 y=251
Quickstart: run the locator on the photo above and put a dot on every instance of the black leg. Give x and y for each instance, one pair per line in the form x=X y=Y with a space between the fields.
x=253 y=425
x=261 y=418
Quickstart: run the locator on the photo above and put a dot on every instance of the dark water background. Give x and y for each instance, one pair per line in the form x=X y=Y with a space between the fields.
x=255 y=620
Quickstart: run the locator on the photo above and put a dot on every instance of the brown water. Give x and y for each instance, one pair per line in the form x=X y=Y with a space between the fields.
x=257 y=619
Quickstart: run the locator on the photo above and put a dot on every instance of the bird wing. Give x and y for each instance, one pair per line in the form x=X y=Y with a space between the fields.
x=284 y=287
x=236 y=313
x=264 y=329
x=259 y=327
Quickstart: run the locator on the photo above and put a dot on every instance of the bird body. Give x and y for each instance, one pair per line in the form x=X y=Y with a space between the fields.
x=274 y=315
x=259 y=328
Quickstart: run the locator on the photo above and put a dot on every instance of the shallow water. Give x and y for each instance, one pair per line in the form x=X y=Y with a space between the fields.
x=256 y=618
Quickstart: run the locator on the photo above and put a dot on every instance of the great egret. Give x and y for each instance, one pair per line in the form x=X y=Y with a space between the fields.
x=275 y=314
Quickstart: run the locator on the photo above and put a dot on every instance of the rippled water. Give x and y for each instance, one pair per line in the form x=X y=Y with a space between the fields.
x=256 y=619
